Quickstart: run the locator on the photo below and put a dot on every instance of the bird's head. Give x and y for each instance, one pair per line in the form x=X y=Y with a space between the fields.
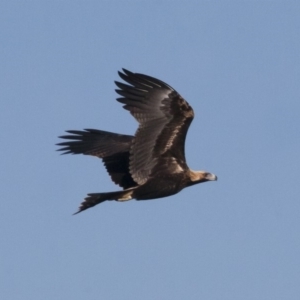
x=201 y=176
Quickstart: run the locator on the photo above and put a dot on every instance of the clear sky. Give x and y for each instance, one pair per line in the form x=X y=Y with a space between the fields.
x=237 y=64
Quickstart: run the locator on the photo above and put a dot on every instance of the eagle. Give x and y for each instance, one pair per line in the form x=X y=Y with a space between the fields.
x=151 y=164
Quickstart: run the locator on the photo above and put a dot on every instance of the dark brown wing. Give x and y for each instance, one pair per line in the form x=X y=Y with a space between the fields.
x=95 y=142
x=111 y=147
x=117 y=165
x=164 y=118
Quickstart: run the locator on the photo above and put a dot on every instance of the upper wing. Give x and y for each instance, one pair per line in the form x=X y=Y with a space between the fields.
x=95 y=142
x=111 y=147
x=164 y=118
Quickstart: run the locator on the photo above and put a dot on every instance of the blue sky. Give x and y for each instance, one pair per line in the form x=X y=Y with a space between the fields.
x=237 y=64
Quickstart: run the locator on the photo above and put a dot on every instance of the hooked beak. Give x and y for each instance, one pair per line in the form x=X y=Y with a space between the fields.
x=211 y=177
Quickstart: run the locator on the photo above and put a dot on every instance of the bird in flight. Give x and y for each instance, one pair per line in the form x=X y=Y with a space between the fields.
x=151 y=164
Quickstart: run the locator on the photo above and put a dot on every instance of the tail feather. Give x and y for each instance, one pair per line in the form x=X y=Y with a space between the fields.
x=97 y=198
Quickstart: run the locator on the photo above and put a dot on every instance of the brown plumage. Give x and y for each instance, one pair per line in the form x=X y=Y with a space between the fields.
x=152 y=163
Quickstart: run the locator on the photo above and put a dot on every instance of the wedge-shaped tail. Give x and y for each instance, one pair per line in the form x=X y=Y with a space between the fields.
x=96 y=198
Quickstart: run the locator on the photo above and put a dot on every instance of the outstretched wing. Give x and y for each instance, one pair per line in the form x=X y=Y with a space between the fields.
x=111 y=147
x=164 y=118
x=95 y=142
